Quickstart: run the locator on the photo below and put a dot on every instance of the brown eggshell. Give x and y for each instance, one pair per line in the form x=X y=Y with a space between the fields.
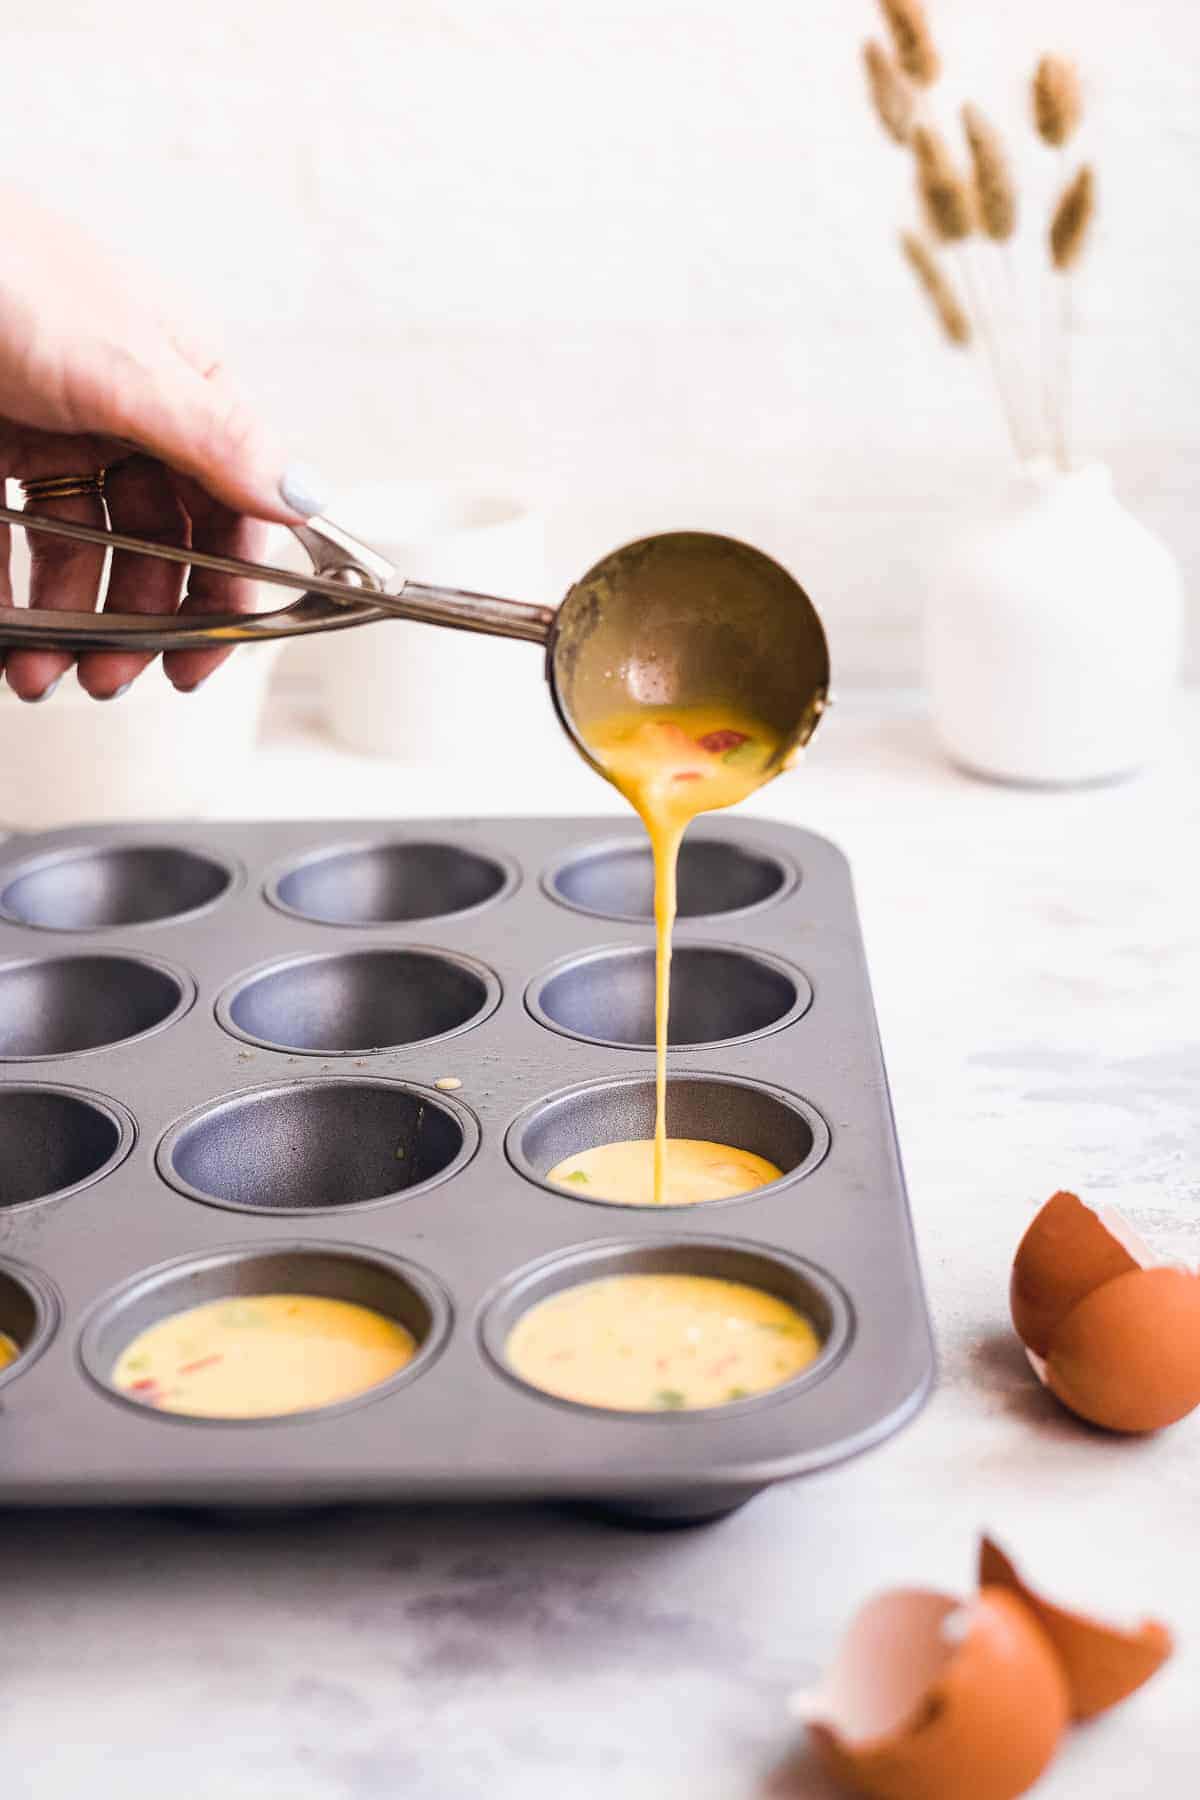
x=1128 y=1356
x=928 y=1698
x=1103 y=1664
x=1067 y=1252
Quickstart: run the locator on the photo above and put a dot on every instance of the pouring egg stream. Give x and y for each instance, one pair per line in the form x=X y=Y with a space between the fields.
x=672 y=763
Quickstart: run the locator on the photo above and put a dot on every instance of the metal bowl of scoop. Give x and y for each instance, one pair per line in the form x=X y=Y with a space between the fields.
x=689 y=618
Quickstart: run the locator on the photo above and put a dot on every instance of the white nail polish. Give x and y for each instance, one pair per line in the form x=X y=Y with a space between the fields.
x=303 y=490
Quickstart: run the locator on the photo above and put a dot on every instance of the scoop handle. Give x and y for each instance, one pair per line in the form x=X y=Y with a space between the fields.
x=350 y=585
x=461 y=610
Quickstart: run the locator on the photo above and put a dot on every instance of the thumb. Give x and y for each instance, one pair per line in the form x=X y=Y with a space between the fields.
x=200 y=425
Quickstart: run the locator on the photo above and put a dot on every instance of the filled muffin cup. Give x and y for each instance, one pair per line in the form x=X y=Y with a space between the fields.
x=785 y=1284
x=727 y=1110
x=396 y=1290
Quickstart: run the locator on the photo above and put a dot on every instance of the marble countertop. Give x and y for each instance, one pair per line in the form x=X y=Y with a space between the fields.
x=1036 y=959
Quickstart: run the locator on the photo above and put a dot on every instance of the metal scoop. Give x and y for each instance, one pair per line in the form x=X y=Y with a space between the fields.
x=685 y=617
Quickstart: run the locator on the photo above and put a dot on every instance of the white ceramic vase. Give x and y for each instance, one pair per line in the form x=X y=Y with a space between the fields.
x=1053 y=629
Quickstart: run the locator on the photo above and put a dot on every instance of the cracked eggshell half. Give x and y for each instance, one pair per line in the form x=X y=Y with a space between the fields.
x=1128 y=1357
x=1102 y=1663
x=1112 y=1330
x=1069 y=1250
x=929 y=1697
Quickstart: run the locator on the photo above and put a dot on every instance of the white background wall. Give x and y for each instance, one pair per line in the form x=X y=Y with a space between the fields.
x=637 y=251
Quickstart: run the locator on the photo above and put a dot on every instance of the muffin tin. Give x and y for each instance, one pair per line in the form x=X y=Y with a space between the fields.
x=220 y=1056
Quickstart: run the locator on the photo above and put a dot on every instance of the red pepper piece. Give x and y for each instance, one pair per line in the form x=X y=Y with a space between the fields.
x=718 y=741
x=202 y=1362
x=143 y=1386
x=687 y=775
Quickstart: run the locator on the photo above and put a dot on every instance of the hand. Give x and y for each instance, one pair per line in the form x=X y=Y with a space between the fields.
x=94 y=376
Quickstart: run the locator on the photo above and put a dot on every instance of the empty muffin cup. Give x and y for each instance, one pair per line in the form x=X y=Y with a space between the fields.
x=724 y=1109
x=54 y=1141
x=66 y=1005
x=396 y=1291
x=317 y=1146
x=779 y=1328
x=390 y=884
x=352 y=1002
x=719 y=995
x=128 y=884
x=28 y=1316
x=616 y=881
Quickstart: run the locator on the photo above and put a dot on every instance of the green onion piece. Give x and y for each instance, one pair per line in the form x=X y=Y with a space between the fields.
x=670 y=1399
x=579 y=1176
x=742 y=753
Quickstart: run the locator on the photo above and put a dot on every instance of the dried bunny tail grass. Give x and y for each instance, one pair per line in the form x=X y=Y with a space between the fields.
x=915 y=50
x=995 y=194
x=1071 y=220
x=891 y=95
x=1057 y=99
x=946 y=196
x=936 y=283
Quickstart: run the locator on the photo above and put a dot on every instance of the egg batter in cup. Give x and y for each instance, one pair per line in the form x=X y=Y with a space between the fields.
x=695 y=1171
x=259 y=1356
x=661 y=1342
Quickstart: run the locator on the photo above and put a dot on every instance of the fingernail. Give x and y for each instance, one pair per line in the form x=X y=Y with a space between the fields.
x=304 y=490
x=116 y=693
x=36 y=699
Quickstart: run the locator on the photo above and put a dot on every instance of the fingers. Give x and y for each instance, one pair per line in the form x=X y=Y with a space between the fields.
x=63 y=577
x=142 y=500
x=194 y=419
x=5 y=575
x=222 y=532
